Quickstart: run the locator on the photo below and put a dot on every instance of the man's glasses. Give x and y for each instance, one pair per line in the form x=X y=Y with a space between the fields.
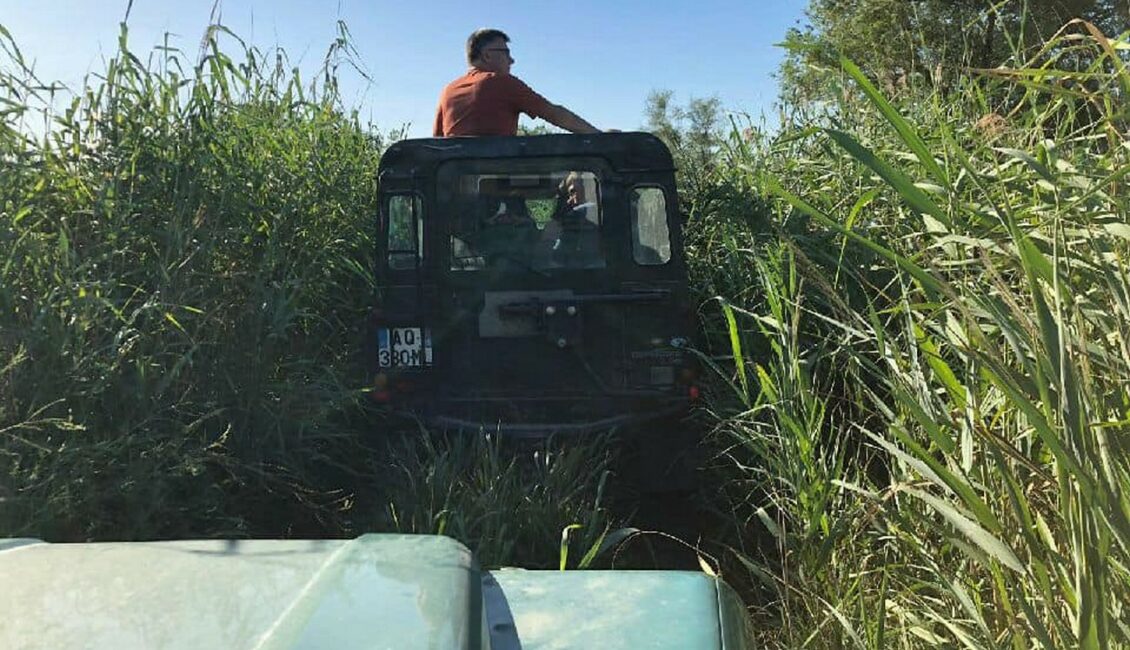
x=504 y=50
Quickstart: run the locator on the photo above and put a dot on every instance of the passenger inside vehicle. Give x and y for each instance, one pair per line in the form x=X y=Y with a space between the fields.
x=536 y=222
x=572 y=236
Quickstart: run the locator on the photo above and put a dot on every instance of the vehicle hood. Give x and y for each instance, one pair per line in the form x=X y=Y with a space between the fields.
x=376 y=591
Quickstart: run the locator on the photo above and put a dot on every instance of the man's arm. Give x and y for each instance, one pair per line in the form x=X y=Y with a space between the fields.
x=534 y=105
x=561 y=117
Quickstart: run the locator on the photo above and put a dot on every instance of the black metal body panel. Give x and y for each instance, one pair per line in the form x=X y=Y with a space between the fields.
x=526 y=350
x=625 y=151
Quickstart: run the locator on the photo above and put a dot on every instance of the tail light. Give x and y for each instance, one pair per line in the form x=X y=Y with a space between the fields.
x=380 y=392
x=385 y=387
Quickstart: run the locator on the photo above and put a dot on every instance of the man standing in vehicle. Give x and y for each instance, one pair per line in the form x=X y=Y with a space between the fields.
x=488 y=99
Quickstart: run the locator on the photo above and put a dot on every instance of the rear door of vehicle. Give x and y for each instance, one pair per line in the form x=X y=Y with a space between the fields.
x=547 y=326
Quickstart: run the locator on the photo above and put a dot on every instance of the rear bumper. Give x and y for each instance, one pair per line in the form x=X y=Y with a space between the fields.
x=541 y=423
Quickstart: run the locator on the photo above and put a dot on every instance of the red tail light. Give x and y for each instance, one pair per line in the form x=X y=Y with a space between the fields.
x=380 y=391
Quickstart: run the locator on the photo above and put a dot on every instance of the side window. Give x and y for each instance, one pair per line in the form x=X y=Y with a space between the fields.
x=405 y=232
x=651 y=241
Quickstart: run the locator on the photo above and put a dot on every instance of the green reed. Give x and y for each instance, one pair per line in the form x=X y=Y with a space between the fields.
x=939 y=410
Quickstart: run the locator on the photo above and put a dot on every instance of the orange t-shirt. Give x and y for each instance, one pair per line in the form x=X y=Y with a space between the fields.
x=486 y=103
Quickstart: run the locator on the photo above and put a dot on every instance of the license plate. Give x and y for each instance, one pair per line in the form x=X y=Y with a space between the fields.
x=404 y=347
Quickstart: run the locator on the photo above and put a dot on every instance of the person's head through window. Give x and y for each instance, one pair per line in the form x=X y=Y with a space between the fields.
x=575 y=194
x=576 y=198
x=573 y=235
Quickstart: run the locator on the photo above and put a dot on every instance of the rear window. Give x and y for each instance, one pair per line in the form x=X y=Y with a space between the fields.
x=651 y=240
x=531 y=221
x=405 y=231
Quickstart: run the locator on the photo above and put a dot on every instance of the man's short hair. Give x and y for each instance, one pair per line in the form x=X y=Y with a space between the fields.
x=481 y=37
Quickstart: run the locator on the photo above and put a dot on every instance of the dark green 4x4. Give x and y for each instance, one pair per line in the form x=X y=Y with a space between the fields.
x=532 y=284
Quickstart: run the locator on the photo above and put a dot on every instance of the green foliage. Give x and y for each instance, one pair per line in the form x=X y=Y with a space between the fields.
x=183 y=276
x=537 y=129
x=508 y=501
x=900 y=43
x=920 y=319
x=934 y=435
x=692 y=133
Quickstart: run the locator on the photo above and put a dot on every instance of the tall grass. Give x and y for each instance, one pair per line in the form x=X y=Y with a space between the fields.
x=185 y=279
x=512 y=499
x=940 y=415
x=183 y=274
x=920 y=307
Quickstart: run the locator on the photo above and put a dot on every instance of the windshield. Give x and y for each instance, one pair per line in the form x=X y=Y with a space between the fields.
x=527 y=221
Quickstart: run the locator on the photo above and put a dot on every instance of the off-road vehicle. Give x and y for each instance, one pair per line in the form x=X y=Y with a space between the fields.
x=532 y=284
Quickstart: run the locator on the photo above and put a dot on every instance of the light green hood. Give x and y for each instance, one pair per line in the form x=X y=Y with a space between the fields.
x=377 y=591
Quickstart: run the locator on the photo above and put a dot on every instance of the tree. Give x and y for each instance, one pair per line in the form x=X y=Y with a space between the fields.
x=692 y=133
x=524 y=128
x=897 y=41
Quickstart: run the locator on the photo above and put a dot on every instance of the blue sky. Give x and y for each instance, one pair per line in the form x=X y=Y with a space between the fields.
x=599 y=58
